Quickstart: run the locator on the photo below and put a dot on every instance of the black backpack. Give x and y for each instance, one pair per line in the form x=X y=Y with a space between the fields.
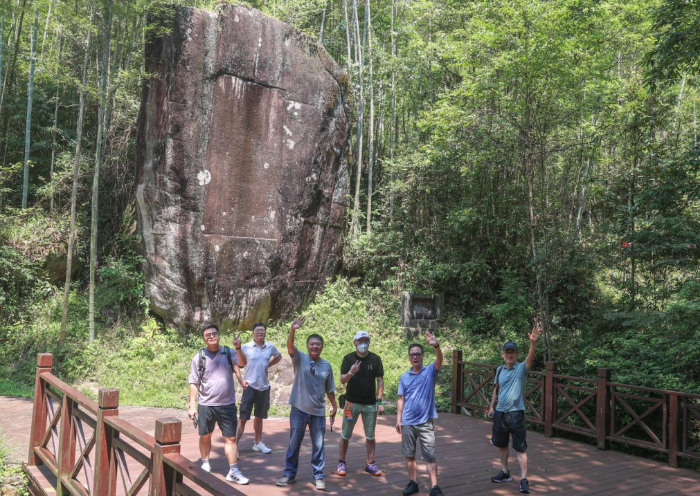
x=203 y=362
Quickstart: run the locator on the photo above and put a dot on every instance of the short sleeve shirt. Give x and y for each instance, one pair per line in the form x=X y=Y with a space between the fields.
x=258 y=363
x=217 y=383
x=511 y=387
x=418 y=390
x=362 y=387
x=309 y=389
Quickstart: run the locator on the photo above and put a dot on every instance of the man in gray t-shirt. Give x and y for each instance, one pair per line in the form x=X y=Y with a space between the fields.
x=313 y=381
x=211 y=377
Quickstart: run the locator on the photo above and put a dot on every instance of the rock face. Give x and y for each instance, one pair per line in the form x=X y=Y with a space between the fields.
x=241 y=177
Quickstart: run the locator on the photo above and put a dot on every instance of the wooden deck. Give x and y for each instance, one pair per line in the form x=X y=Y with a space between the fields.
x=465 y=459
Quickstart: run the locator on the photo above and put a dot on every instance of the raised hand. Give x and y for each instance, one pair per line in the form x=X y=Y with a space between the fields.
x=535 y=334
x=298 y=322
x=432 y=340
x=355 y=368
x=237 y=341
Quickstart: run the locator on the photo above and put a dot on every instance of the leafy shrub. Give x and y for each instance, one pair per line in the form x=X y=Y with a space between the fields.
x=121 y=289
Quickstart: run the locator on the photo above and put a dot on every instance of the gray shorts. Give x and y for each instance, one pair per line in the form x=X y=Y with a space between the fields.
x=426 y=434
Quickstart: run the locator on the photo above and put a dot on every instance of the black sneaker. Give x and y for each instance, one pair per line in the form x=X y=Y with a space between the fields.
x=435 y=491
x=502 y=477
x=524 y=486
x=411 y=488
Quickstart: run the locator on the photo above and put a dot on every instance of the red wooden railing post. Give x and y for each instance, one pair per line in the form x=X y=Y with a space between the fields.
x=105 y=475
x=457 y=381
x=66 y=445
x=168 y=434
x=602 y=422
x=44 y=362
x=673 y=431
x=550 y=399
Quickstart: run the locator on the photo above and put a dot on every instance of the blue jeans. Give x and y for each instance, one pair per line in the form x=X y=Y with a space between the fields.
x=298 y=421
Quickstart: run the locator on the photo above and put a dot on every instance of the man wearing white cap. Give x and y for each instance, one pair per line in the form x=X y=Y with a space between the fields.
x=359 y=371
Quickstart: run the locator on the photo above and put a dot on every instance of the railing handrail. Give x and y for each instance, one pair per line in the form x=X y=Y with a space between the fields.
x=71 y=392
x=163 y=465
x=132 y=432
x=189 y=470
x=674 y=411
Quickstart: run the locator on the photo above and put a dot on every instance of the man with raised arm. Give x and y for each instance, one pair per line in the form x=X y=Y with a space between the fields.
x=360 y=370
x=508 y=407
x=261 y=355
x=313 y=381
x=211 y=375
x=415 y=411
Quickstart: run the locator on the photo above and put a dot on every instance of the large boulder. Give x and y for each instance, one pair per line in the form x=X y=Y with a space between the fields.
x=241 y=177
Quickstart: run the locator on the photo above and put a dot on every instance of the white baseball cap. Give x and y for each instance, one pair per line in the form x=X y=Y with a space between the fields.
x=361 y=334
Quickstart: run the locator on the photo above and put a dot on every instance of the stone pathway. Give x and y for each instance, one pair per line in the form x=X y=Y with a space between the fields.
x=16 y=420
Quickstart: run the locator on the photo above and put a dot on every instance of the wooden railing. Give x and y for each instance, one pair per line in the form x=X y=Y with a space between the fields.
x=659 y=420
x=85 y=445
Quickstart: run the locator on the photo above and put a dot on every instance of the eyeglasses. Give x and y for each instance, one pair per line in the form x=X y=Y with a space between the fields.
x=211 y=335
x=415 y=355
x=313 y=368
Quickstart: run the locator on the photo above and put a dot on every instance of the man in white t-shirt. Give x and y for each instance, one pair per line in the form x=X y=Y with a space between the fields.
x=256 y=385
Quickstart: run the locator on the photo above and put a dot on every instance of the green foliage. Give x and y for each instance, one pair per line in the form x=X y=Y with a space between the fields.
x=9 y=469
x=121 y=288
x=677 y=30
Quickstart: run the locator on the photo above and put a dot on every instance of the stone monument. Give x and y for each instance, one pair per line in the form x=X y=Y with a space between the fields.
x=421 y=312
x=241 y=172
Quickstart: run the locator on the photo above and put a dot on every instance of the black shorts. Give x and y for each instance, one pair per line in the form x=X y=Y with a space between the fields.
x=510 y=423
x=254 y=398
x=225 y=416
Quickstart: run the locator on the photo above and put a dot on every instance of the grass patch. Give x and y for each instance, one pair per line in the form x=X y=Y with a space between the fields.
x=149 y=364
x=9 y=387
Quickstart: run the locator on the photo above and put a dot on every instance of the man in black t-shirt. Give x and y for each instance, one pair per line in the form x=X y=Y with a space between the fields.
x=359 y=371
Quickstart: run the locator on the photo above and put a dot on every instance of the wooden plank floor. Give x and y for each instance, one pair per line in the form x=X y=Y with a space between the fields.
x=465 y=459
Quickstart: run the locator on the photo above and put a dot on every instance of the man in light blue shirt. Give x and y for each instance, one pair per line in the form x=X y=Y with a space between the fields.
x=261 y=355
x=415 y=411
x=508 y=407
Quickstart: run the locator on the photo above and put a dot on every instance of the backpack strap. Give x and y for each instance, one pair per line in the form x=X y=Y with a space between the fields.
x=227 y=352
x=498 y=374
x=202 y=367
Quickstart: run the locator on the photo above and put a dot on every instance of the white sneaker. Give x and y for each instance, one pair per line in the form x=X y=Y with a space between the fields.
x=261 y=448
x=235 y=475
x=206 y=467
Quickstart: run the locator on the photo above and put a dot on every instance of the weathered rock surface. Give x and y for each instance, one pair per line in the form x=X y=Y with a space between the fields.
x=241 y=180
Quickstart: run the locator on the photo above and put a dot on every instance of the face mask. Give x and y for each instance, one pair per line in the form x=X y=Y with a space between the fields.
x=363 y=347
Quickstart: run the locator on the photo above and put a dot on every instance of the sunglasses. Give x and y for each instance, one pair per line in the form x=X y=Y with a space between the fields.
x=313 y=368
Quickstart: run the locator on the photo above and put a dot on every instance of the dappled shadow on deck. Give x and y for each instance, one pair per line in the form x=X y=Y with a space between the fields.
x=466 y=463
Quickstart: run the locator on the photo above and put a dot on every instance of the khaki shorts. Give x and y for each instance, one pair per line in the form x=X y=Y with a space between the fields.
x=426 y=434
x=369 y=421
